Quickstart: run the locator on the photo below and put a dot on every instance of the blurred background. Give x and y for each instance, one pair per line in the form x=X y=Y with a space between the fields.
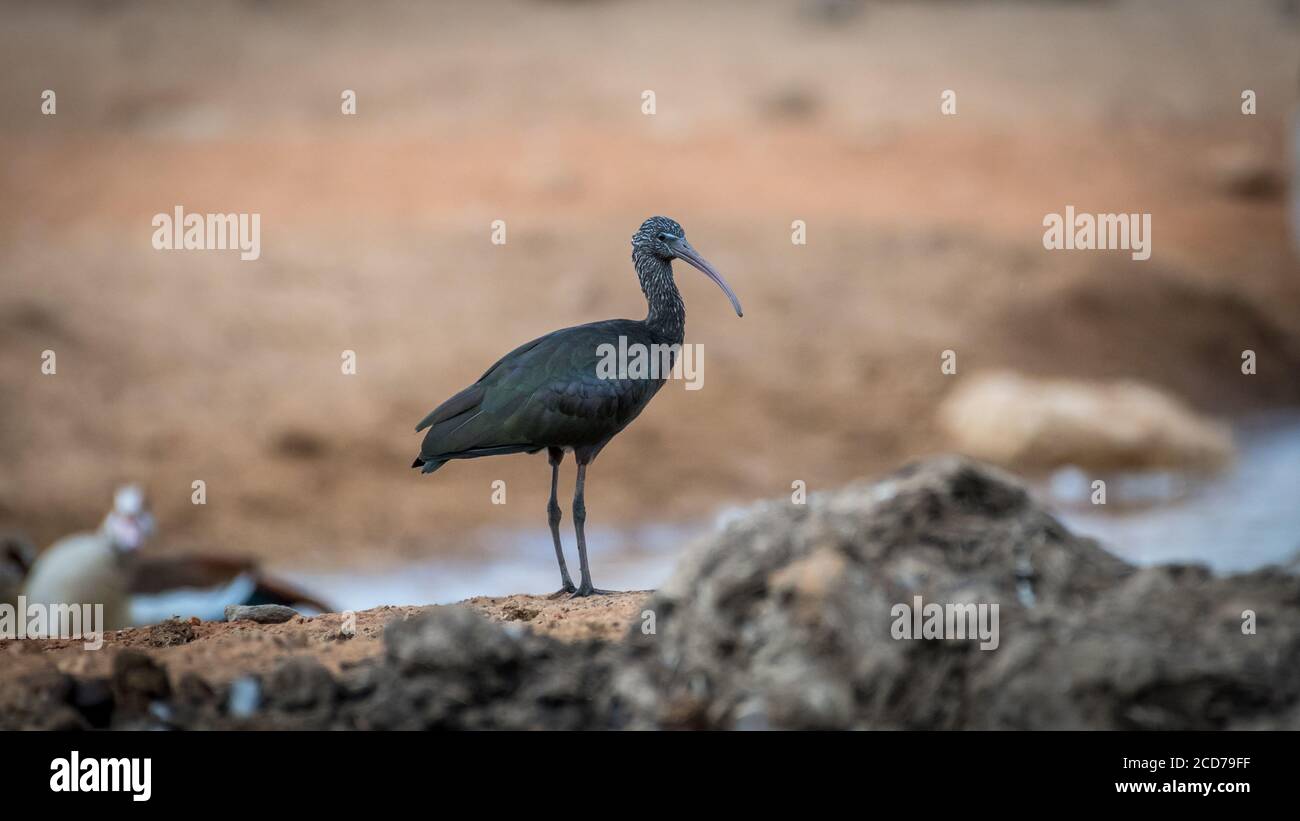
x=924 y=235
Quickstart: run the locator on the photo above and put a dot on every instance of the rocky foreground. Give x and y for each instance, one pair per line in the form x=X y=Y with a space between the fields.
x=785 y=619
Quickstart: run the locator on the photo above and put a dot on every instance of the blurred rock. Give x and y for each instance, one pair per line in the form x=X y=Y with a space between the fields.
x=138 y=681
x=301 y=684
x=454 y=639
x=93 y=698
x=42 y=701
x=260 y=613
x=450 y=668
x=784 y=620
x=1046 y=423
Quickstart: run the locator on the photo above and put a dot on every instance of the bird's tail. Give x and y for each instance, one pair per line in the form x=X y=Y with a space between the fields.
x=428 y=466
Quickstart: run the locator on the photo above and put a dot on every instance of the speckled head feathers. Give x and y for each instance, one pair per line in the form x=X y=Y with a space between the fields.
x=655 y=234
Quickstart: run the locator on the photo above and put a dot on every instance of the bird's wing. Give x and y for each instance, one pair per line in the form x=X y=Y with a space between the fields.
x=547 y=392
x=470 y=398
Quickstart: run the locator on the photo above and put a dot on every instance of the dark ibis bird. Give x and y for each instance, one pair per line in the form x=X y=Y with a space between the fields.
x=550 y=394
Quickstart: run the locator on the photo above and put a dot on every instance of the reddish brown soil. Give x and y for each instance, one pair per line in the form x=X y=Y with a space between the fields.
x=221 y=651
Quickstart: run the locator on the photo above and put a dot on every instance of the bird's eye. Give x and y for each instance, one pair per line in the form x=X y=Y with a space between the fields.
x=663 y=237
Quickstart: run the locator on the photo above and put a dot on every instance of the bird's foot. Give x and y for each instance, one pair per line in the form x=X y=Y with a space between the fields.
x=567 y=590
x=588 y=590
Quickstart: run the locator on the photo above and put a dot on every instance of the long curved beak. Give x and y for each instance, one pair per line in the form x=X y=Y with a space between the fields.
x=683 y=250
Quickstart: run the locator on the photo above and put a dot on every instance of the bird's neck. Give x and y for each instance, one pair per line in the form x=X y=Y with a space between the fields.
x=667 y=314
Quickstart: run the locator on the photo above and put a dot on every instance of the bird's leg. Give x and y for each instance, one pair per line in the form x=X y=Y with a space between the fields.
x=585 y=587
x=555 y=456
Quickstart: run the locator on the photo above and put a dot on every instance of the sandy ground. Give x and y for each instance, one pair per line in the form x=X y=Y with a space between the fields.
x=222 y=651
x=924 y=234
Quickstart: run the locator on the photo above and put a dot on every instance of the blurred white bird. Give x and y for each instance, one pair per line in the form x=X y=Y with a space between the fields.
x=95 y=568
x=106 y=567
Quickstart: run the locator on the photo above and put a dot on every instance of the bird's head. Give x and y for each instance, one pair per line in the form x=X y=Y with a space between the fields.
x=665 y=239
x=130 y=524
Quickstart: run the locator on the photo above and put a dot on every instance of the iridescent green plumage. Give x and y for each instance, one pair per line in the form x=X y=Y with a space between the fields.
x=552 y=393
x=546 y=393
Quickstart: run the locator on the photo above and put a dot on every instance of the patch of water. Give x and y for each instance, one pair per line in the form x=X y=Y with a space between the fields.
x=209 y=605
x=639 y=558
x=1244 y=518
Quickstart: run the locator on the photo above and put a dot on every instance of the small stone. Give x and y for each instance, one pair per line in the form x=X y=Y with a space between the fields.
x=300 y=683
x=260 y=613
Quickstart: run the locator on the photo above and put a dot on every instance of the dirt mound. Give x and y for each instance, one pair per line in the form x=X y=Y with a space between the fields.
x=447 y=668
x=789 y=618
